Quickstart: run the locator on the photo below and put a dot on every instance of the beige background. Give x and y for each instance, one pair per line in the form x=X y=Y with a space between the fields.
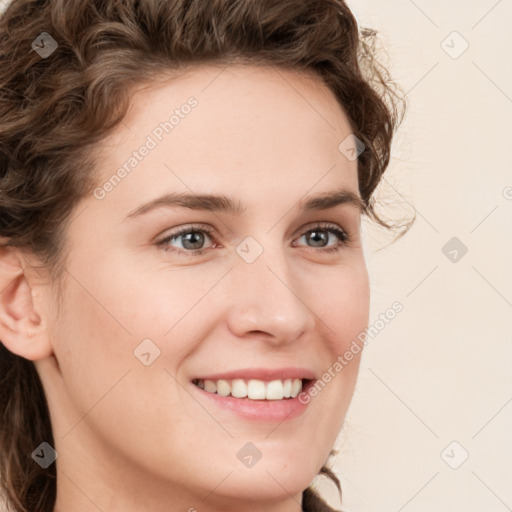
x=440 y=371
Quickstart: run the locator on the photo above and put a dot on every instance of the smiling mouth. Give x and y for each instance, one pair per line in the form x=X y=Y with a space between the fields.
x=254 y=389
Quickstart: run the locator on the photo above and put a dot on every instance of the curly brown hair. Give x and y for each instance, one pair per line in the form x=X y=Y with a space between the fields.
x=54 y=110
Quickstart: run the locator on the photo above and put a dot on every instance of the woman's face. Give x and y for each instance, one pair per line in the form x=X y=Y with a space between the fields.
x=268 y=293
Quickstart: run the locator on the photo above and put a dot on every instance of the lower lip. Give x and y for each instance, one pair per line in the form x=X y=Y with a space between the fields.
x=260 y=410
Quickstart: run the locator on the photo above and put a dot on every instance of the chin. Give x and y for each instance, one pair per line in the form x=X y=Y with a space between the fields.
x=265 y=486
x=272 y=479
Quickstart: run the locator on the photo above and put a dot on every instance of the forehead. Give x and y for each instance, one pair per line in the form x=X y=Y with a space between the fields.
x=252 y=97
x=250 y=128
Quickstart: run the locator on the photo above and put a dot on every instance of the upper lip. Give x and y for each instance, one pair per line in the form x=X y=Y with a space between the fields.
x=261 y=374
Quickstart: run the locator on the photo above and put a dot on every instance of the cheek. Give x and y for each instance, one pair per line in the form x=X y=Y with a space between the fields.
x=344 y=315
x=107 y=385
x=92 y=347
x=117 y=307
x=344 y=307
x=112 y=316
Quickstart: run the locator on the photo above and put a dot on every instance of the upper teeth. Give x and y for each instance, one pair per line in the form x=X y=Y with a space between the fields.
x=253 y=389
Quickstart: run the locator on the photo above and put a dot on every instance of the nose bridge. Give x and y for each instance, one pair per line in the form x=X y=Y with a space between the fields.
x=266 y=296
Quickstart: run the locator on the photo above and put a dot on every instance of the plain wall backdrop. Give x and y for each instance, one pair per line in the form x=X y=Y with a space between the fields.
x=430 y=425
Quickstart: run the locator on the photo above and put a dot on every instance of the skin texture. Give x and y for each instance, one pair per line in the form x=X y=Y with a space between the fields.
x=132 y=437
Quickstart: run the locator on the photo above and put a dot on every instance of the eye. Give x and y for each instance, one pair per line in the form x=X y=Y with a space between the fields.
x=320 y=235
x=193 y=239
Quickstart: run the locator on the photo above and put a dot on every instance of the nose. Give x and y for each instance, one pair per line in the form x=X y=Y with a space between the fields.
x=269 y=300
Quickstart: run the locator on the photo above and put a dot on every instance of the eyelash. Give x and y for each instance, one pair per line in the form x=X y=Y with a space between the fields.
x=341 y=234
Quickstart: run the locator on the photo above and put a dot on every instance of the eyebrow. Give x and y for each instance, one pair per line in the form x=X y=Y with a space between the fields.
x=222 y=203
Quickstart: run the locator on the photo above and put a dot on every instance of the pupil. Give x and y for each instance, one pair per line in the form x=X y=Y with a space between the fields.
x=316 y=234
x=190 y=238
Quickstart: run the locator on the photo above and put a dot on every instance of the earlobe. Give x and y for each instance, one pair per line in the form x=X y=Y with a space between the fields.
x=22 y=327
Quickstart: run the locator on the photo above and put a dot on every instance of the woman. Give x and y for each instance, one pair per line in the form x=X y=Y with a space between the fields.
x=182 y=186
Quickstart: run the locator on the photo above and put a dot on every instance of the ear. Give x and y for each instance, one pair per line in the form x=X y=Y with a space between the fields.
x=22 y=323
